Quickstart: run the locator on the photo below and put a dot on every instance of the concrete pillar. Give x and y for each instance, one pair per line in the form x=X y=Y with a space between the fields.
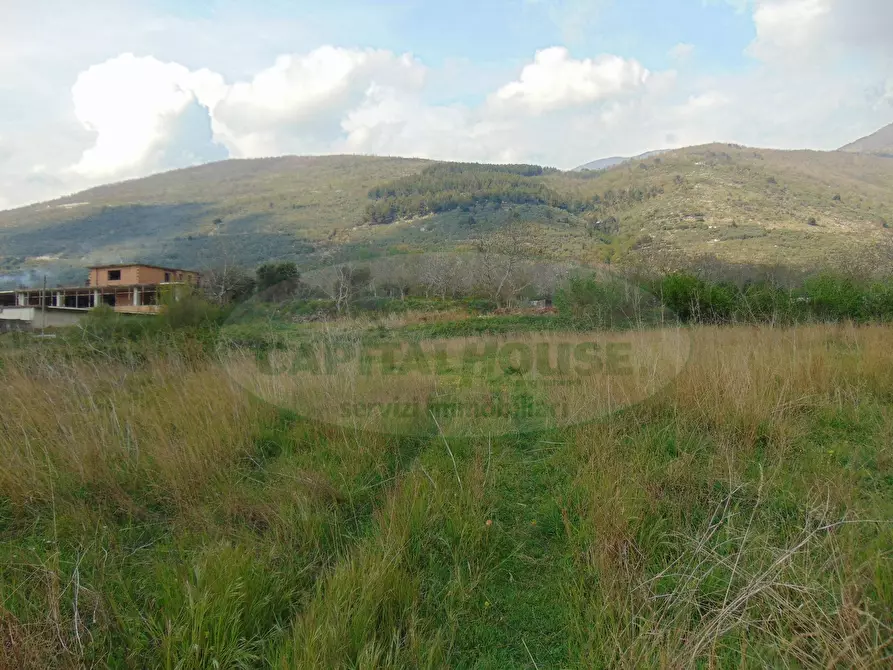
x=136 y=296
x=22 y=299
x=60 y=299
x=97 y=298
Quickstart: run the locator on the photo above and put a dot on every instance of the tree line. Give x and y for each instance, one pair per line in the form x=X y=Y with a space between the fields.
x=450 y=186
x=499 y=275
x=447 y=187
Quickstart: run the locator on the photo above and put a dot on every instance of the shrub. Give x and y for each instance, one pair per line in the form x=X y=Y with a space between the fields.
x=589 y=303
x=187 y=309
x=834 y=298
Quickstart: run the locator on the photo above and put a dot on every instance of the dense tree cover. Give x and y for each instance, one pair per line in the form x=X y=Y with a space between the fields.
x=271 y=274
x=451 y=186
x=446 y=187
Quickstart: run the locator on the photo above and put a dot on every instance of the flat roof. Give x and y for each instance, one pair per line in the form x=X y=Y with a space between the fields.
x=140 y=265
x=89 y=289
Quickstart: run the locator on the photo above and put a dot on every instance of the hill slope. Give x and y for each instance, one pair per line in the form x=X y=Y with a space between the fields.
x=797 y=208
x=602 y=163
x=880 y=142
x=249 y=209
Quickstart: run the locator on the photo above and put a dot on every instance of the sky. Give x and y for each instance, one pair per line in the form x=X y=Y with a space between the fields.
x=98 y=91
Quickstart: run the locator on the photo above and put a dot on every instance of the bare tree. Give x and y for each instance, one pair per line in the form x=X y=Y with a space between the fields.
x=439 y=275
x=345 y=284
x=224 y=279
x=501 y=259
x=227 y=283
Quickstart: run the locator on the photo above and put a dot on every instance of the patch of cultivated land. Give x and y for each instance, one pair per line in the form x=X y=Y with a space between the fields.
x=154 y=514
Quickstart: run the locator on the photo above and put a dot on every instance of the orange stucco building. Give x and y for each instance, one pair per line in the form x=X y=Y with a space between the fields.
x=134 y=275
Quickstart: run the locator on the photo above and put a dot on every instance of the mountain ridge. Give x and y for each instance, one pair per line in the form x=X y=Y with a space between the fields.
x=613 y=161
x=734 y=203
x=879 y=143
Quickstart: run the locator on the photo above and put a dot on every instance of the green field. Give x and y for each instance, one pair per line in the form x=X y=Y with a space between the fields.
x=155 y=514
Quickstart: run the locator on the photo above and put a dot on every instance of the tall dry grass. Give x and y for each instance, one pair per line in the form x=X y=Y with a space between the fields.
x=168 y=426
x=735 y=512
x=721 y=531
x=436 y=375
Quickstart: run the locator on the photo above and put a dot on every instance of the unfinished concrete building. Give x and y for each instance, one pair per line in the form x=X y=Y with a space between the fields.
x=126 y=288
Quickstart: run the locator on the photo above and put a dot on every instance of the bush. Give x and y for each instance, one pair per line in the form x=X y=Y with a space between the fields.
x=278 y=281
x=589 y=303
x=834 y=298
x=186 y=308
x=680 y=293
x=825 y=297
x=103 y=323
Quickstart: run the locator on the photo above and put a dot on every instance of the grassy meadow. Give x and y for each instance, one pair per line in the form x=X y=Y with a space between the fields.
x=155 y=514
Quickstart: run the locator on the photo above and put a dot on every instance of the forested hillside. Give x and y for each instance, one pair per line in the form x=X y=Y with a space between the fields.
x=449 y=186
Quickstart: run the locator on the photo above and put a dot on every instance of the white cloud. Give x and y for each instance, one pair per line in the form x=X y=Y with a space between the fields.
x=297 y=104
x=682 y=51
x=803 y=30
x=822 y=75
x=787 y=24
x=149 y=115
x=702 y=102
x=555 y=80
x=391 y=122
x=136 y=107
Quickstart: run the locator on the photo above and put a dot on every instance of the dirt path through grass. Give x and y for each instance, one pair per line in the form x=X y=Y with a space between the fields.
x=523 y=622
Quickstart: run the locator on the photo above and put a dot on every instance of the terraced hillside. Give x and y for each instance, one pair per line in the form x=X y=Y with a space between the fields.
x=798 y=208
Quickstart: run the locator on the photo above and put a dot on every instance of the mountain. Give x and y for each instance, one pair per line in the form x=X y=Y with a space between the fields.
x=737 y=204
x=247 y=210
x=607 y=163
x=880 y=143
x=602 y=163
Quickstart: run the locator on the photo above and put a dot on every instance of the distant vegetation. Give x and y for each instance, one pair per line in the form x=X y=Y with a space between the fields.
x=736 y=204
x=450 y=186
x=506 y=288
x=446 y=187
